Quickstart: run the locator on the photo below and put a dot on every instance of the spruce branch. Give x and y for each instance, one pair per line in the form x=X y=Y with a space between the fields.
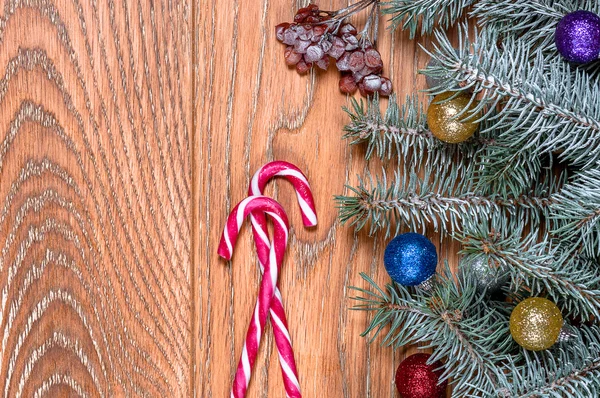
x=533 y=21
x=570 y=370
x=401 y=133
x=452 y=318
x=409 y=14
x=506 y=171
x=440 y=198
x=540 y=265
x=535 y=106
x=576 y=213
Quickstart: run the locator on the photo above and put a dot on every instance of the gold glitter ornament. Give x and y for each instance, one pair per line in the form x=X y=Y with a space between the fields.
x=441 y=121
x=535 y=323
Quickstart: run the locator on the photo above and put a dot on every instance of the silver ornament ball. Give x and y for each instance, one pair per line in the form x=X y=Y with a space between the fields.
x=489 y=279
x=433 y=81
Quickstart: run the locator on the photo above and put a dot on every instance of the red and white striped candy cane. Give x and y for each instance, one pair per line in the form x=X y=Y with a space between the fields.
x=263 y=205
x=259 y=226
x=293 y=174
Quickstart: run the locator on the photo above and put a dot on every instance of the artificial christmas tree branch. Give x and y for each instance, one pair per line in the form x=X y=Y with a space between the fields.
x=444 y=319
x=531 y=104
x=441 y=199
x=538 y=264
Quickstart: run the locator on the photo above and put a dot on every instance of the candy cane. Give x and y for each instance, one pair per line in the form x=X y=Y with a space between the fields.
x=264 y=205
x=259 y=226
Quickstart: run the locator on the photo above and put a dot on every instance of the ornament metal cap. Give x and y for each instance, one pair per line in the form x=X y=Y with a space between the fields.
x=567 y=333
x=427 y=284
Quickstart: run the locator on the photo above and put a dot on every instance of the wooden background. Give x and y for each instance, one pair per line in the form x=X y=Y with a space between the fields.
x=128 y=129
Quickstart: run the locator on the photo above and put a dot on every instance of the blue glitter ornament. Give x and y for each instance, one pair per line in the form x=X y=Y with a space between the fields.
x=578 y=37
x=410 y=259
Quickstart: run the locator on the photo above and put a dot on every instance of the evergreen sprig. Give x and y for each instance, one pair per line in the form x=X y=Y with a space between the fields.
x=537 y=263
x=533 y=105
x=471 y=335
x=441 y=199
x=533 y=22
x=576 y=213
x=498 y=194
x=401 y=133
x=571 y=370
x=410 y=14
x=452 y=318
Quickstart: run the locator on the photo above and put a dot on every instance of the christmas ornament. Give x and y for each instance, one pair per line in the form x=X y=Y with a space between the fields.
x=433 y=81
x=316 y=36
x=577 y=37
x=536 y=323
x=436 y=81
x=490 y=279
x=270 y=257
x=442 y=120
x=410 y=259
x=416 y=379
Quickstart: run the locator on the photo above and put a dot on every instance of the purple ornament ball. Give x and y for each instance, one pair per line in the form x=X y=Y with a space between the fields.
x=578 y=37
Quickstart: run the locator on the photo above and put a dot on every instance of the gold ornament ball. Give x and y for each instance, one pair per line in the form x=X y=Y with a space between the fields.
x=535 y=323
x=441 y=122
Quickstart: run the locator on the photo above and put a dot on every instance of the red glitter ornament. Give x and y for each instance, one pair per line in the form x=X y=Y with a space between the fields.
x=416 y=379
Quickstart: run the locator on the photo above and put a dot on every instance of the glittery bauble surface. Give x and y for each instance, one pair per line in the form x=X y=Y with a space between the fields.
x=441 y=121
x=578 y=37
x=416 y=379
x=535 y=323
x=490 y=279
x=410 y=259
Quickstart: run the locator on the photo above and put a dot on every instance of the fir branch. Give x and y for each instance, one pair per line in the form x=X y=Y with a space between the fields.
x=400 y=128
x=570 y=370
x=534 y=21
x=576 y=213
x=441 y=199
x=506 y=171
x=409 y=14
x=401 y=133
x=537 y=106
x=540 y=265
x=452 y=319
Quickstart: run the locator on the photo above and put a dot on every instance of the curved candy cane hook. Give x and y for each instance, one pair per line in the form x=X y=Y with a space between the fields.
x=293 y=174
x=256 y=205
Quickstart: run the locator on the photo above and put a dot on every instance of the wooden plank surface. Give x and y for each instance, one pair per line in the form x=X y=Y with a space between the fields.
x=252 y=109
x=95 y=193
x=128 y=129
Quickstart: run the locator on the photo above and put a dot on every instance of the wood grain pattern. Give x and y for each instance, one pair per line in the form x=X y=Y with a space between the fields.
x=128 y=129
x=252 y=109
x=95 y=198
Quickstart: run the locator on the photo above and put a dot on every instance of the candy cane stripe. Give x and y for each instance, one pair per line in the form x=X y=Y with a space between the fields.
x=307 y=210
x=246 y=364
x=281 y=327
x=293 y=173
